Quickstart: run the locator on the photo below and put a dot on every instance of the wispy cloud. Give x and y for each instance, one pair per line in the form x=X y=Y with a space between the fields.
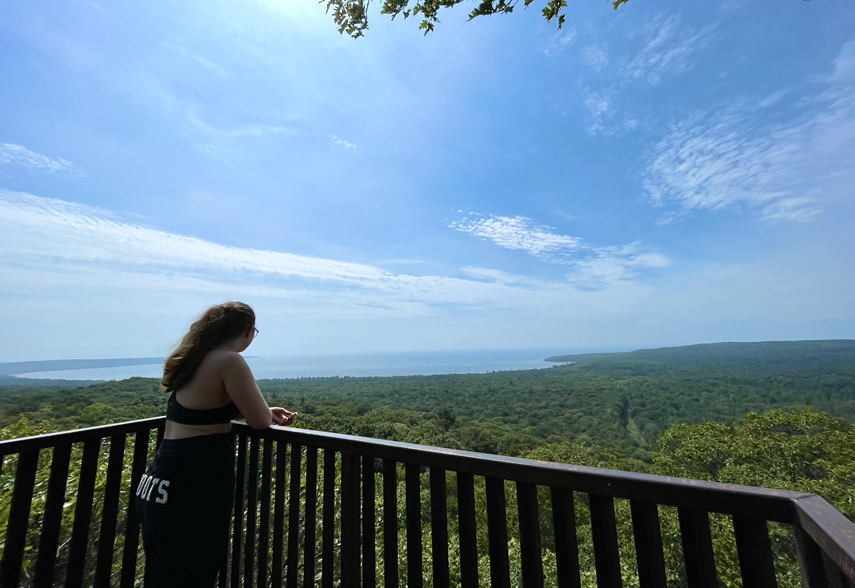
x=557 y=41
x=595 y=57
x=20 y=156
x=518 y=233
x=668 y=49
x=593 y=266
x=342 y=143
x=601 y=108
x=250 y=130
x=63 y=236
x=608 y=266
x=197 y=58
x=662 y=47
x=726 y=158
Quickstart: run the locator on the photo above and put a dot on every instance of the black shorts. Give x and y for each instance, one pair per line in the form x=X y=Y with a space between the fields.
x=184 y=505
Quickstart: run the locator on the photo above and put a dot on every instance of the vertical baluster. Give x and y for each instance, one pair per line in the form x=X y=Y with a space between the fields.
x=264 y=526
x=369 y=558
x=223 y=576
x=19 y=516
x=347 y=515
x=810 y=560
x=279 y=514
x=356 y=529
x=132 y=526
x=532 y=560
x=52 y=517
x=414 y=525
x=110 y=511
x=697 y=548
x=390 y=523
x=328 y=558
x=161 y=429
x=439 y=527
x=251 y=514
x=294 y=516
x=648 y=544
x=82 y=515
x=836 y=577
x=237 y=530
x=566 y=541
x=311 y=514
x=497 y=532
x=755 y=552
x=466 y=525
x=604 y=534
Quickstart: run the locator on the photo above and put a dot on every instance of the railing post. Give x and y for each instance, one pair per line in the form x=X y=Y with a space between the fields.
x=132 y=526
x=369 y=530
x=566 y=541
x=604 y=533
x=279 y=514
x=697 y=548
x=648 y=544
x=836 y=577
x=53 y=516
x=414 y=526
x=497 y=532
x=19 y=515
x=251 y=514
x=350 y=569
x=390 y=523
x=811 y=566
x=82 y=514
x=466 y=528
x=755 y=552
x=529 y=513
x=311 y=517
x=264 y=526
x=237 y=531
x=109 y=512
x=328 y=558
x=439 y=527
x=294 y=516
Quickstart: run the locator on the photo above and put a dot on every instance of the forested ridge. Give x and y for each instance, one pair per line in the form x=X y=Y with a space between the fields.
x=773 y=424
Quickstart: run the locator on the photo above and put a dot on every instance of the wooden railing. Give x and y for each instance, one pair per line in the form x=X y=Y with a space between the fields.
x=329 y=510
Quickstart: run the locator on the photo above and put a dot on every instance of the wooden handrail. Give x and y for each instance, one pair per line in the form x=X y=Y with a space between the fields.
x=823 y=534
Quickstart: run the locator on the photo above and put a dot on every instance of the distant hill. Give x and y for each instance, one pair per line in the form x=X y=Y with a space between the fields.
x=764 y=355
x=44 y=383
x=55 y=365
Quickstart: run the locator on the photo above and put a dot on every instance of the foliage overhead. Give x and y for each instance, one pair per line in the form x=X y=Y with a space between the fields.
x=351 y=16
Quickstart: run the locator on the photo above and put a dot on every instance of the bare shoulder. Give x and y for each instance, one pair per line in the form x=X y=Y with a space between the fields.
x=227 y=360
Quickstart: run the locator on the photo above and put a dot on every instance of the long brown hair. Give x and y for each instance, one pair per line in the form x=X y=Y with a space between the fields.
x=216 y=325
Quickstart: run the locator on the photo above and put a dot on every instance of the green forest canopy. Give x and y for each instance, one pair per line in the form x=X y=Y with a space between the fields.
x=771 y=415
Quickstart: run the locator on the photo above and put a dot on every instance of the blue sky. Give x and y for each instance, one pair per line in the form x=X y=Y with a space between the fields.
x=663 y=174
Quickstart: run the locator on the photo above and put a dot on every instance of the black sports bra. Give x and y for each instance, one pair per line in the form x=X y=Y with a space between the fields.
x=211 y=416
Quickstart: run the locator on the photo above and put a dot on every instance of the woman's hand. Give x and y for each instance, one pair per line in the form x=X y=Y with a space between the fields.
x=282 y=417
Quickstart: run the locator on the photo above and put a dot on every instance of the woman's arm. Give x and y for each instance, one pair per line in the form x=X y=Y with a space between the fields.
x=243 y=390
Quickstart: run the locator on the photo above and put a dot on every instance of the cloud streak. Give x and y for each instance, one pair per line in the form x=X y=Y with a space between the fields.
x=666 y=48
x=20 y=156
x=51 y=234
x=725 y=159
x=592 y=266
x=518 y=234
x=197 y=58
x=667 y=51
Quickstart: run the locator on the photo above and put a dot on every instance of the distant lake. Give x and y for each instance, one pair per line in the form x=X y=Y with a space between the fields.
x=354 y=364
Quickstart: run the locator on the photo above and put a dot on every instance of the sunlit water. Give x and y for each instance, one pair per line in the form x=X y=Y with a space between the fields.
x=368 y=364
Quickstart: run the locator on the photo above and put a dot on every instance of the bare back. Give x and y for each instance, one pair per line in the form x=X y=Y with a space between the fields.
x=219 y=379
